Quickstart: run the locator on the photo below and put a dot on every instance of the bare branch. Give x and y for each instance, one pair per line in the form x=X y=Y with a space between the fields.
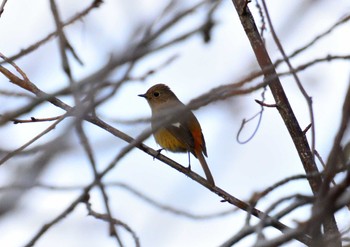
x=33 y=47
x=295 y=76
x=35 y=120
x=18 y=150
x=114 y=221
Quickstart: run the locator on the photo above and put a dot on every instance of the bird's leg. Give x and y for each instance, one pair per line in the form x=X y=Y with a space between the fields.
x=158 y=153
x=189 y=161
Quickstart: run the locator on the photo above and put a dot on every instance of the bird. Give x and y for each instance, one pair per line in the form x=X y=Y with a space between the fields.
x=184 y=134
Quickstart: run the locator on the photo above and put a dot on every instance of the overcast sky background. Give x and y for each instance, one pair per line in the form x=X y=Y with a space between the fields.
x=239 y=169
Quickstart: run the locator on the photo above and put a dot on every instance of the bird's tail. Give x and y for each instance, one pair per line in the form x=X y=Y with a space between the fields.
x=205 y=168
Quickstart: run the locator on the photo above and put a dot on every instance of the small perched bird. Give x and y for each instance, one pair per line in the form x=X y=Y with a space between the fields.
x=183 y=135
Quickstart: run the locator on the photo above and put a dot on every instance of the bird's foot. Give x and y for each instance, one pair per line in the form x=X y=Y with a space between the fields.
x=158 y=153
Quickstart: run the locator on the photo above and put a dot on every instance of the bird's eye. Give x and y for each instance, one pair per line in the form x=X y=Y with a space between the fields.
x=156 y=94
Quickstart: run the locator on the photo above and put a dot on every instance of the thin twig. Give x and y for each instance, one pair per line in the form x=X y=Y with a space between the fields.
x=322 y=163
x=307 y=129
x=245 y=121
x=317 y=38
x=35 y=120
x=262 y=19
x=37 y=137
x=16 y=94
x=331 y=165
x=33 y=47
x=113 y=221
x=2 y=7
x=295 y=76
x=248 y=229
x=140 y=195
x=265 y=104
x=303 y=200
x=87 y=147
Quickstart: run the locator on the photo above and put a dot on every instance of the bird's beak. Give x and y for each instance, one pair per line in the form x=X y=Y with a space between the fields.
x=143 y=96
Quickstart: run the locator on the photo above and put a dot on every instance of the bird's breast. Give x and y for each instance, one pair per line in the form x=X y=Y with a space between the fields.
x=168 y=141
